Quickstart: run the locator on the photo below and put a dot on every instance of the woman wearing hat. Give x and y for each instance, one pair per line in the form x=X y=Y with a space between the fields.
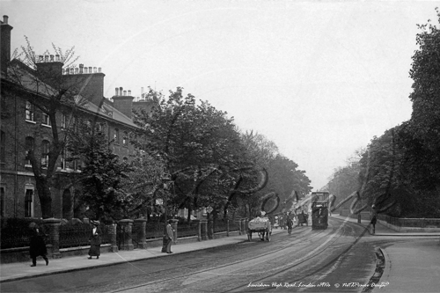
x=170 y=232
x=95 y=240
x=37 y=246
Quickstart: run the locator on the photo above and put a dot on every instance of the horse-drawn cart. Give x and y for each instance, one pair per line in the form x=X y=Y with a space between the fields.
x=303 y=219
x=260 y=225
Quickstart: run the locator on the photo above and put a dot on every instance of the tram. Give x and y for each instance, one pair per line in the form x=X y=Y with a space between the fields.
x=320 y=208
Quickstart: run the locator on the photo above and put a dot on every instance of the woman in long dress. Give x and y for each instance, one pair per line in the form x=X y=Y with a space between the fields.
x=37 y=246
x=95 y=240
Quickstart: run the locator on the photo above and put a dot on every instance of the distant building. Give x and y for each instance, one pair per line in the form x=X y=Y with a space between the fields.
x=24 y=125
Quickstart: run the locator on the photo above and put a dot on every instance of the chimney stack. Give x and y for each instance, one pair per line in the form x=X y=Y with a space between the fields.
x=122 y=102
x=5 y=43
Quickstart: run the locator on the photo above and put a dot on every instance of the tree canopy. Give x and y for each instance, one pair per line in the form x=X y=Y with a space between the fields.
x=401 y=168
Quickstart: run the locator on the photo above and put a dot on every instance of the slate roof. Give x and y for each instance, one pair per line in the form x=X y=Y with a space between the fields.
x=24 y=77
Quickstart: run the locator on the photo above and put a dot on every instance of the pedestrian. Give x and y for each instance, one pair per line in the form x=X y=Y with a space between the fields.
x=289 y=225
x=302 y=218
x=95 y=240
x=37 y=246
x=170 y=232
x=373 y=218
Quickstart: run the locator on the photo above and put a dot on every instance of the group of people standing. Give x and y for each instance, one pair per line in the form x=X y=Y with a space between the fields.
x=37 y=245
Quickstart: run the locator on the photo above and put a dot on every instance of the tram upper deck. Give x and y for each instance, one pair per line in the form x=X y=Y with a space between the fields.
x=320 y=206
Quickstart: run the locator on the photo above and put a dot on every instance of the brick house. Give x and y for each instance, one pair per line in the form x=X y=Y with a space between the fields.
x=24 y=125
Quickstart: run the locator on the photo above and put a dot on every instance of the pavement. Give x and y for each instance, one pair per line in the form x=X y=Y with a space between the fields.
x=20 y=270
x=409 y=266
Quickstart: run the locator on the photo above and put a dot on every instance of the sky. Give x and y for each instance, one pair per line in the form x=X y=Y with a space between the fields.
x=318 y=78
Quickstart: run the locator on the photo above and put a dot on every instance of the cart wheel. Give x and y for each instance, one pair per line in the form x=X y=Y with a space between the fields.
x=268 y=235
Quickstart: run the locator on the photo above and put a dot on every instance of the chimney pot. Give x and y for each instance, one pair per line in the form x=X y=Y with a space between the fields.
x=116 y=91
x=99 y=69
x=90 y=69
x=129 y=92
x=76 y=70
x=41 y=58
x=125 y=92
x=5 y=19
x=95 y=70
x=46 y=58
x=52 y=58
x=57 y=57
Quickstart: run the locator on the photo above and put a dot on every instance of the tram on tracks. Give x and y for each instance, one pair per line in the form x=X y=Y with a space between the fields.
x=320 y=210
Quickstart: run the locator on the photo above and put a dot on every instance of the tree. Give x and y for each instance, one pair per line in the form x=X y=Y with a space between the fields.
x=379 y=168
x=45 y=89
x=400 y=170
x=197 y=144
x=283 y=174
x=344 y=180
x=420 y=136
x=104 y=178
x=287 y=181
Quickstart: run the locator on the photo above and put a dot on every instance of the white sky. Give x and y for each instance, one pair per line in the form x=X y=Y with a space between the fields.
x=318 y=78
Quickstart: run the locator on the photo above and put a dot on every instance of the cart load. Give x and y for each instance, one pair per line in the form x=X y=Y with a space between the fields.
x=260 y=225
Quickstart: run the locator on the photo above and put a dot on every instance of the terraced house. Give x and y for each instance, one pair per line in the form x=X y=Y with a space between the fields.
x=40 y=103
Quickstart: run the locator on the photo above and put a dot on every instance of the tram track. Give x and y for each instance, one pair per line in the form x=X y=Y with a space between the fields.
x=188 y=265
x=229 y=264
x=300 y=238
x=331 y=262
x=313 y=254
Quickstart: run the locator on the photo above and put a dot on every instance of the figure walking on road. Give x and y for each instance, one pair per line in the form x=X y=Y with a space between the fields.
x=373 y=218
x=170 y=233
x=95 y=240
x=37 y=246
x=289 y=225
